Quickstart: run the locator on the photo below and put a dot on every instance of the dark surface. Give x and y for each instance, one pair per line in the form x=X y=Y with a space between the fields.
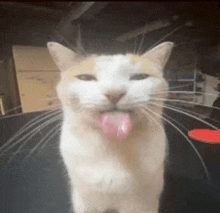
x=39 y=184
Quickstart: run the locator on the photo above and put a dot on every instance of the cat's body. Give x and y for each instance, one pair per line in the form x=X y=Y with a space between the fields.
x=124 y=174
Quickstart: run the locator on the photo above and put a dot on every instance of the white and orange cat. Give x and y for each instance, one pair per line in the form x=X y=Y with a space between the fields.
x=112 y=146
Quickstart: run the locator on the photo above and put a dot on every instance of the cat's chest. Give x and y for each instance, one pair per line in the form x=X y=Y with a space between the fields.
x=103 y=176
x=98 y=173
x=93 y=164
x=95 y=168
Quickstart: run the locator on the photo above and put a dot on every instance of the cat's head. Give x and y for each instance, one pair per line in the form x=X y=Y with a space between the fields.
x=100 y=83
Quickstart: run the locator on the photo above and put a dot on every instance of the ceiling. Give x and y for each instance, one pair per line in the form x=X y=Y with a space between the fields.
x=115 y=26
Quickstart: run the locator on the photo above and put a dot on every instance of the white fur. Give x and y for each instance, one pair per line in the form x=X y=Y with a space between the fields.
x=101 y=179
x=112 y=72
x=125 y=176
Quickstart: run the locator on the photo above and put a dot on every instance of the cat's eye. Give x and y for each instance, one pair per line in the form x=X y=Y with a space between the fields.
x=86 y=77
x=139 y=76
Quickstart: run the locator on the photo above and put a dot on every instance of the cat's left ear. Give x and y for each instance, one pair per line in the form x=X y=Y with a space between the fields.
x=160 y=54
x=63 y=57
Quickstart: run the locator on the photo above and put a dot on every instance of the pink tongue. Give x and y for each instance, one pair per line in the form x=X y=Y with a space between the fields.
x=115 y=125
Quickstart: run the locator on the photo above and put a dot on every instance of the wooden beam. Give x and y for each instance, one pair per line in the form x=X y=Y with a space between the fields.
x=86 y=11
x=23 y=6
x=64 y=27
x=96 y=8
x=143 y=30
x=74 y=14
x=64 y=30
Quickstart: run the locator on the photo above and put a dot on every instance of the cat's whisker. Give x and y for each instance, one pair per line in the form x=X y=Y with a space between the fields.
x=182 y=109
x=11 y=116
x=167 y=35
x=42 y=147
x=25 y=128
x=142 y=39
x=190 y=142
x=185 y=113
x=181 y=125
x=24 y=187
x=51 y=107
x=195 y=113
x=175 y=87
x=135 y=44
x=182 y=101
x=12 y=110
x=30 y=134
x=52 y=98
x=54 y=106
x=21 y=113
x=42 y=140
x=28 y=149
x=148 y=114
x=139 y=113
x=183 y=92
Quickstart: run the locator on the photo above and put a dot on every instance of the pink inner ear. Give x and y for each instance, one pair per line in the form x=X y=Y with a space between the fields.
x=115 y=125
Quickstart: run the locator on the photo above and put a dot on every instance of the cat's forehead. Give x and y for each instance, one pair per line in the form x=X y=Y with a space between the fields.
x=104 y=64
x=115 y=63
x=129 y=63
x=85 y=66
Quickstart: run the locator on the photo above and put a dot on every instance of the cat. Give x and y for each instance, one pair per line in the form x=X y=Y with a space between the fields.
x=111 y=144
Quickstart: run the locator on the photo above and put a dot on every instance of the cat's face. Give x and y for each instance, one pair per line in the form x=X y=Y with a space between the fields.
x=106 y=82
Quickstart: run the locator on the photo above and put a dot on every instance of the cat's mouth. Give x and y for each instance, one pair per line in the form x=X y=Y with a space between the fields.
x=115 y=123
x=116 y=110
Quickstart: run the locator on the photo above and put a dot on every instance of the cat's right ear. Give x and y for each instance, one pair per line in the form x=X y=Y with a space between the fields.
x=160 y=54
x=63 y=57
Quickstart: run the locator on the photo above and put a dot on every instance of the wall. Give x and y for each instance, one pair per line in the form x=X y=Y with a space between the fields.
x=37 y=76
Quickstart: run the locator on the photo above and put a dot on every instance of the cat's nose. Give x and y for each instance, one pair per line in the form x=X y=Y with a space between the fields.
x=114 y=96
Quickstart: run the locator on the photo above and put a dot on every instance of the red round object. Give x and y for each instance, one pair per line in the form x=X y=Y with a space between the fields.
x=205 y=135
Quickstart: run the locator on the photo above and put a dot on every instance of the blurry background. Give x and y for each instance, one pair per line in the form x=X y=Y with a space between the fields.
x=28 y=78
x=28 y=75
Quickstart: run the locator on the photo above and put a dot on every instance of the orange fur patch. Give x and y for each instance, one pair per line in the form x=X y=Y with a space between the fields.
x=145 y=66
x=86 y=66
